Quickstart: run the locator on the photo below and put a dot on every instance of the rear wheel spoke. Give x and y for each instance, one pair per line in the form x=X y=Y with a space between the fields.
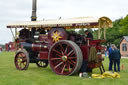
x=71 y=63
x=58 y=65
x=55 y=59
x=59 y=55
x=61 y=47
x=57 y=52
x=71 y=57
x=66 y=50
x=58 y=62
x=69 y=68
x=70 y=52
x=63 y=68
x=62 y=52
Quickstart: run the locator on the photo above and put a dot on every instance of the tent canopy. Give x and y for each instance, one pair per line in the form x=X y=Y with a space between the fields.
x=79 y=22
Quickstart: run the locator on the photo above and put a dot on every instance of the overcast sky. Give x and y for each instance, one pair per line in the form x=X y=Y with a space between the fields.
x=20 y=10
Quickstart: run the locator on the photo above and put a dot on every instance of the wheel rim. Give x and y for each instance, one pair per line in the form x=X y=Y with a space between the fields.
x=21 y=61
x=63 y=58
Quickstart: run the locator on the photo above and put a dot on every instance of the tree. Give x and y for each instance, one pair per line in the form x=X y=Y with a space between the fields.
x=124 y=27
x=113 y=34
x=81 y=31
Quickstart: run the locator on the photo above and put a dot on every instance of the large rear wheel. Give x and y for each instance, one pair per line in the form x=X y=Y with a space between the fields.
x=65 y=57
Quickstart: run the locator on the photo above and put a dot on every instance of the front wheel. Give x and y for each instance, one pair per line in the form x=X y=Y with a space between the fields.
x=65 y=57
x=21 y=60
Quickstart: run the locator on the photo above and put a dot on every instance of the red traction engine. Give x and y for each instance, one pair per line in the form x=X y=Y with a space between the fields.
x=63 y=51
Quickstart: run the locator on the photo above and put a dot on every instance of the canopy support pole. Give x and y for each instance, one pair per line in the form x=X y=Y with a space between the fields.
x=99 y=33
x=105 y=26
x=15 y=33
x=12 y=33
x=104 y=33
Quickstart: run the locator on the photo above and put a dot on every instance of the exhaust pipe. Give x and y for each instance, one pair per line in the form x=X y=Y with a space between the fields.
x=33 y=17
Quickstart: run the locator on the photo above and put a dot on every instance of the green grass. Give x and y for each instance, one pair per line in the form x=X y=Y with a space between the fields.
x=44 y=76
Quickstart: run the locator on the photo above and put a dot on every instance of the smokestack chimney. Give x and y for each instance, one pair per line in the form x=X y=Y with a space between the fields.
x=33 y=17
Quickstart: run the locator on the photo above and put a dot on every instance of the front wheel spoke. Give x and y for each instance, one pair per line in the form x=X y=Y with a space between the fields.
x=19 y=55
x=18 y=61
x=44 y=64
x=58 y=65
x=20 y=65
x=24 y=63
x=24 y=59
x=22 y=54
x=40 y=63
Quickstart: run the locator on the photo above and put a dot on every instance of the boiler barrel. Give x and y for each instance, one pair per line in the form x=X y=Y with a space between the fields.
x=34 y=47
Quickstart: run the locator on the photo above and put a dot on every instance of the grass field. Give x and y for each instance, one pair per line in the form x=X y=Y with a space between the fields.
x=44 y=76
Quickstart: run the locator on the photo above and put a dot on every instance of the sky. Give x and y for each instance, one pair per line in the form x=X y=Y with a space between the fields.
x=20 y=10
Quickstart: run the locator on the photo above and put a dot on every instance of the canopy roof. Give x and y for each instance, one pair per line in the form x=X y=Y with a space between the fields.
x=79 y=22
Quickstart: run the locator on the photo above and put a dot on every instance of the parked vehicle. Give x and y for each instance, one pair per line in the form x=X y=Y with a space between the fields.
x=48 y=42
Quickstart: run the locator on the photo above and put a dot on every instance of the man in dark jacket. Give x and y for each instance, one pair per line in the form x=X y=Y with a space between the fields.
x=116 y=56
x=89 y=35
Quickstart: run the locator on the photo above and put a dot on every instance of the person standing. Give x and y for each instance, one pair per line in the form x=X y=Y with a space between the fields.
x=106 y=52
x=116 y=56
x=84 y=69
x=110 y=58
x=89 y=35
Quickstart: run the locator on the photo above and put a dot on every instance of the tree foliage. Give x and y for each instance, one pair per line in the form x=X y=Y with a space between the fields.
x=81 y=31
x=124 y=27
x=113 y=34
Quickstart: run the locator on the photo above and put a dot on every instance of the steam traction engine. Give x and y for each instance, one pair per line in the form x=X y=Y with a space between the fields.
x=48 y=42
